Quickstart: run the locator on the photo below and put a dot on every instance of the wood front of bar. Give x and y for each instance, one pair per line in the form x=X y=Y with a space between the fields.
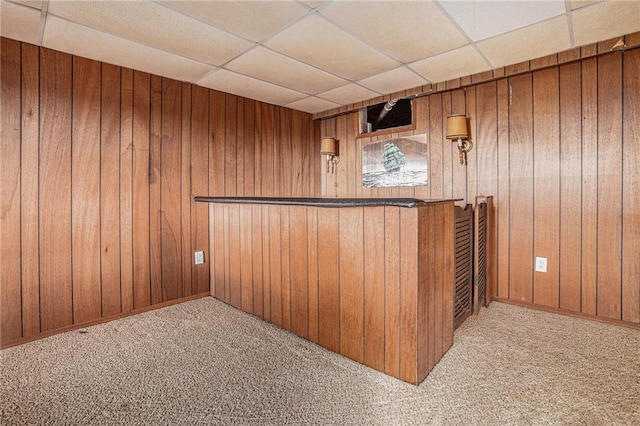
x=369 y=279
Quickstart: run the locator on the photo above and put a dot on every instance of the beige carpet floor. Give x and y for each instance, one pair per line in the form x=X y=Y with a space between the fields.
x=203 y=362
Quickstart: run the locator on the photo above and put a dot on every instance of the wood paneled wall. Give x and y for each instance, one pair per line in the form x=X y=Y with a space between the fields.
x=99 y=168
x=374 y=284
x=558 y=148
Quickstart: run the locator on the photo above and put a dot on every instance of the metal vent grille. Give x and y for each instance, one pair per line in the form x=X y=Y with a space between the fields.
x=463 y=301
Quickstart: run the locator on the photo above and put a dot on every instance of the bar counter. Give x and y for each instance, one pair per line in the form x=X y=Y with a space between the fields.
x=368 y=278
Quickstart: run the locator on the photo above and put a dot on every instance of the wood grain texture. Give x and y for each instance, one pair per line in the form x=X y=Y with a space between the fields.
x=170 y=212
x=155 y=190
x=246 y=259
x=351 y=248
x=85 y=190
x=609 y=290
x=546 y=184
x=56 y=308
x=299 y=271
x=121 y=153
x=110 y=266
x=140 y=197
x=392 y=291
x=126 y=190
x=338 y=268
x=374 y=306
x=589 y=184
x=521 y=188
x=570 y=179
x=328 y=279
x=30 y=214
x=630 y=184
x=10 y=207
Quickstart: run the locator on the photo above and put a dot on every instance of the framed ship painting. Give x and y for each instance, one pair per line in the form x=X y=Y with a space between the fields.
x=395 y=162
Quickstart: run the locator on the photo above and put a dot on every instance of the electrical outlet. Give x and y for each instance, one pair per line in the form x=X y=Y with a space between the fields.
x=541 y=264
x=199 y=257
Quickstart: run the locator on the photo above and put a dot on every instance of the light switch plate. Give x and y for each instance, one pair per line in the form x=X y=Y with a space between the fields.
x=199 y=257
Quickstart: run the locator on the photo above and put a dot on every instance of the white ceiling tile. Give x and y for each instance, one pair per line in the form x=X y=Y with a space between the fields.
x=543 y=39
x=605 y=20
x=393 y=81
x=265 y=64
x=484 y=19
x=349 y=94
x=318 y=42
x=154 y=25
x=408 y=31
x=241 y=85
x=19 y=22
x=456 y=63
x=89 y=43
x=312 y=105
x=31 y=3
x=253 y=20
x=577 y=4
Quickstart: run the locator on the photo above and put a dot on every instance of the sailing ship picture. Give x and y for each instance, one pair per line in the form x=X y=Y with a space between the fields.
x=395 y=162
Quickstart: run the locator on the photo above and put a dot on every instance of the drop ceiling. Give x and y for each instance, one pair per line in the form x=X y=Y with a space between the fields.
x=315 y=55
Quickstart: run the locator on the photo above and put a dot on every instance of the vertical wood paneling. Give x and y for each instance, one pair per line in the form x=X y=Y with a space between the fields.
x=109 y=224
x=374 y=264
x=185 y=192
x=275 y=246
x=503 y=222
x=85 y=190
x=589 y=184
x=299 y=272
x=312 y=263
x=351 y=245
x=609 y=252
x=521 y=188
x=409 y=295
x=285 y=264
x=10 y=282
x=342 y=168
x=257 y=265
x=570 y=179
x=141 y=196
x=29 y=187
x=170 y=191
x=126 y=190
x=546 y=183
x=328 y=278
x=55 y=183
x=200 y=185
x=630 y=185
x=448 y=220
x=246 y=259
x=230 y=143
x=392 y=291
x=155 y=190
x=233 y=247
x=121 y=154
x=436 y=147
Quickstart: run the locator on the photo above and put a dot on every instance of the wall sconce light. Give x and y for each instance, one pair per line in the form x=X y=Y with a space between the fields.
x=457 y=131
x=329 y=147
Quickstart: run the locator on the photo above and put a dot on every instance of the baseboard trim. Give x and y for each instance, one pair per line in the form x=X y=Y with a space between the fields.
x=567 y=312
x=72 y=327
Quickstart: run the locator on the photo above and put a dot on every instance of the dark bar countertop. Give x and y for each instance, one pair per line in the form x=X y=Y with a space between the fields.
x=323 y=202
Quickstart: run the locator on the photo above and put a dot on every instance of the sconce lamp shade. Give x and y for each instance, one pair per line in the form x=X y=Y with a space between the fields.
x=328 y=146
x=457 y=127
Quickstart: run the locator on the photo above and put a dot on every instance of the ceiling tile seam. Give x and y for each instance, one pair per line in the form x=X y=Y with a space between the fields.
x=186 y=15
x=133 y=41
x=319 y=95
x=366 y=42
x=568 y=12
x=43 y=22
x=467 y=36
x=16 y=3
x=302 y=62
x=258 y=79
